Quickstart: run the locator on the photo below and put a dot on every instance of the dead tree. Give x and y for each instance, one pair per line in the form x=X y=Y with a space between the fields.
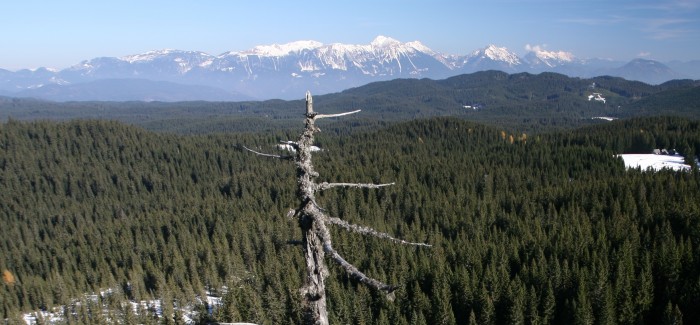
x=313 y=221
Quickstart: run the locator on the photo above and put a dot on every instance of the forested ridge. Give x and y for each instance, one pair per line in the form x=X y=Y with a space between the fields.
x=526 y=228
x=520 y=101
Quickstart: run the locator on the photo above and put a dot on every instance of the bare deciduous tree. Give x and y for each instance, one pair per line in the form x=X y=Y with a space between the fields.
x=316 y=239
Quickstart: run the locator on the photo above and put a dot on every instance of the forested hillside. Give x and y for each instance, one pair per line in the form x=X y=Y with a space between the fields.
x=522 y=102
x=526 y=228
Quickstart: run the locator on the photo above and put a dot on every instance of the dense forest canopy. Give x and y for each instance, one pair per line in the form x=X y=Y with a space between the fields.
x=533 y=228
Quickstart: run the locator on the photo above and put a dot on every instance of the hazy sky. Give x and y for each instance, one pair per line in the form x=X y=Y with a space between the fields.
x=58 y=34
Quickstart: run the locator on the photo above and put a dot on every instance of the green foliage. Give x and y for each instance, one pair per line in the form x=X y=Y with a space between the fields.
x=537 y=229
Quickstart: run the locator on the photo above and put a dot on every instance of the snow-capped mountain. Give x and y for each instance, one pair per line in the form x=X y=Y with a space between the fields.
x=28 y=79
x=539 y=58
x=158 y=65
x=383 y=56
x=286 y=70
x=491 y=57
x=274 y=71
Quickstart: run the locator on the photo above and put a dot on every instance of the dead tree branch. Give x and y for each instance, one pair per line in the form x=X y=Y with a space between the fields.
x=325 y=185
x=318 y=116
x=268 y=155
x=369 y=231
x=325 y=236
x=316 y=239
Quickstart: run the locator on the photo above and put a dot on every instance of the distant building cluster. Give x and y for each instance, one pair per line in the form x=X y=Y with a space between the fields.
x=668 y=152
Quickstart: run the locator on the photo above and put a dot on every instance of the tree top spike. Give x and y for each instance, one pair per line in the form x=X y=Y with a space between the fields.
x=309 y=103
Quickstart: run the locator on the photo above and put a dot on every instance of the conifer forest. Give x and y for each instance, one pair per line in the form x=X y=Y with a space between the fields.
x=526 y=227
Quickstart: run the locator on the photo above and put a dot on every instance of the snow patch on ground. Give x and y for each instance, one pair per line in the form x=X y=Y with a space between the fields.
x=57 y=314
x=655 y=162
x=607 y=118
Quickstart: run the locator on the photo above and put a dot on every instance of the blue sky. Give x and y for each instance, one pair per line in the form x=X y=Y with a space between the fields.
x=58 y=34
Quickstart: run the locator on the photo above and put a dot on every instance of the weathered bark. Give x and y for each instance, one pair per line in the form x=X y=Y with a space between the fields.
x=316 y=239
x=314 y=289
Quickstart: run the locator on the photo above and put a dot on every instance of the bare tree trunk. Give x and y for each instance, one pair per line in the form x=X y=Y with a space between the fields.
x=314 y=289
x=316 y=239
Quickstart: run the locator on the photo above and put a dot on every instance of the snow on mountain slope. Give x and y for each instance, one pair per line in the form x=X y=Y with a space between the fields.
x=282 y=50
x=285 y=70
x=315 y=56
x=538 y=57
x=166 y=61
x=496 y=53
x=183 y=60
x=560 y=56
x=491 y=57
x=541 y=53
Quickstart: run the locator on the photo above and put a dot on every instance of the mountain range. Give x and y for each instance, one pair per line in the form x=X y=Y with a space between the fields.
x=287 y=71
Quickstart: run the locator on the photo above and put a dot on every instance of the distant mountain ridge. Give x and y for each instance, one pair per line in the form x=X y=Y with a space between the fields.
x=288 y=70
x=521 y=101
